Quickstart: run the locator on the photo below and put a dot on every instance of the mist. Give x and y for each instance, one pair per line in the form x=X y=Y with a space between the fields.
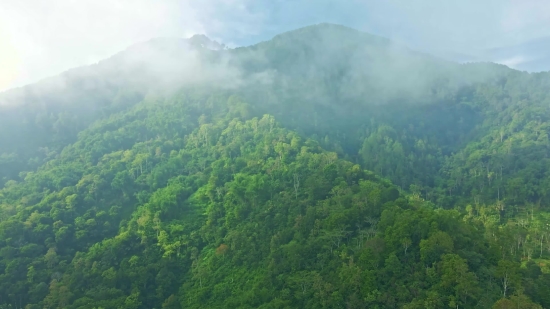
x=270 y=154
x=42 y=40
x=38 y=40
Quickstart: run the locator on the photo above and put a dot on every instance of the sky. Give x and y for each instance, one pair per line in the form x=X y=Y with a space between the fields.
x=39 y=39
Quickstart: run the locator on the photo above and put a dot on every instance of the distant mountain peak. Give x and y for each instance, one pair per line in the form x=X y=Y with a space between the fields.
x=201 y=40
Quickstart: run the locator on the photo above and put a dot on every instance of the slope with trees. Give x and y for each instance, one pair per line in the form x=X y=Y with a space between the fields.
x=337 y=169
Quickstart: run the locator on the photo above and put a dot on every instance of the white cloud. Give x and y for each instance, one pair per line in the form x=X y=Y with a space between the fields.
x=43 y=38
x=526 y=19
x=10 y=61
x=513 y=62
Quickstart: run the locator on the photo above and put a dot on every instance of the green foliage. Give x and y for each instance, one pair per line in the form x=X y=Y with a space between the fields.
x=340 y=183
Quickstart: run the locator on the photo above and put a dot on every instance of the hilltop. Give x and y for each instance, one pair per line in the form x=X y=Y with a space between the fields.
x=325 y=168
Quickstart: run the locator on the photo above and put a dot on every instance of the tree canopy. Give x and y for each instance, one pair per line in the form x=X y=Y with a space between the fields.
x=341 y=171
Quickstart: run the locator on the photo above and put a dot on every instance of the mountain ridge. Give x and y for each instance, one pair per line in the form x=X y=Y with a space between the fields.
x=217 y=46
x=295 y=173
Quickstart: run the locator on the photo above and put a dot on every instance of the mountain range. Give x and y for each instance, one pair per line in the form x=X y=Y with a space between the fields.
x=324 y=168
x=530 y=56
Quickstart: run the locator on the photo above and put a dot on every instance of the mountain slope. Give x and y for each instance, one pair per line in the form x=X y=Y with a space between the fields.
x=37 y=121
x=246 y=213
x=182 y=174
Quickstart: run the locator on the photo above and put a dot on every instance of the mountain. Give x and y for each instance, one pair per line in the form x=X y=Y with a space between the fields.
x=48 y=115
x=325 y=168
x=531 y=56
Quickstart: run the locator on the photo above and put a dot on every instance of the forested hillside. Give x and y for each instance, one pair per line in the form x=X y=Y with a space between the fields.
x=325 y=168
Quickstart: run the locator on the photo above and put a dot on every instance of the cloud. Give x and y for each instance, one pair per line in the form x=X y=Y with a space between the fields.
x=9 y=60
x=526 y=19
x=467 y=27
x=43 y=38
x=513 y=62
x=39 y=39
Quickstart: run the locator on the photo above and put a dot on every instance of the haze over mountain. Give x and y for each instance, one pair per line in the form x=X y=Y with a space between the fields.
x=530 y=56
x=323 y=168
x=35 y=41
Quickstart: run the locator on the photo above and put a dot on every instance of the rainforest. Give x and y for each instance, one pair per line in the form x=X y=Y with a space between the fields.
x=324 y=168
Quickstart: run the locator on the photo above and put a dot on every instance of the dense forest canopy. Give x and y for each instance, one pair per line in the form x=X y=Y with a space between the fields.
x=325 y=168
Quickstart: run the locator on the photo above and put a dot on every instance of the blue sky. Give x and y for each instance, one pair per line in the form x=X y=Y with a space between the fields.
x=43 y=38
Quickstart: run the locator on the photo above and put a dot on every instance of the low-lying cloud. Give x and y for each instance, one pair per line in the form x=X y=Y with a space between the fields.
x=40 y=39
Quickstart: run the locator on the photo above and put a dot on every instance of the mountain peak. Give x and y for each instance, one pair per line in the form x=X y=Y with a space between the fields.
x=329 y=31
x=201 y=40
